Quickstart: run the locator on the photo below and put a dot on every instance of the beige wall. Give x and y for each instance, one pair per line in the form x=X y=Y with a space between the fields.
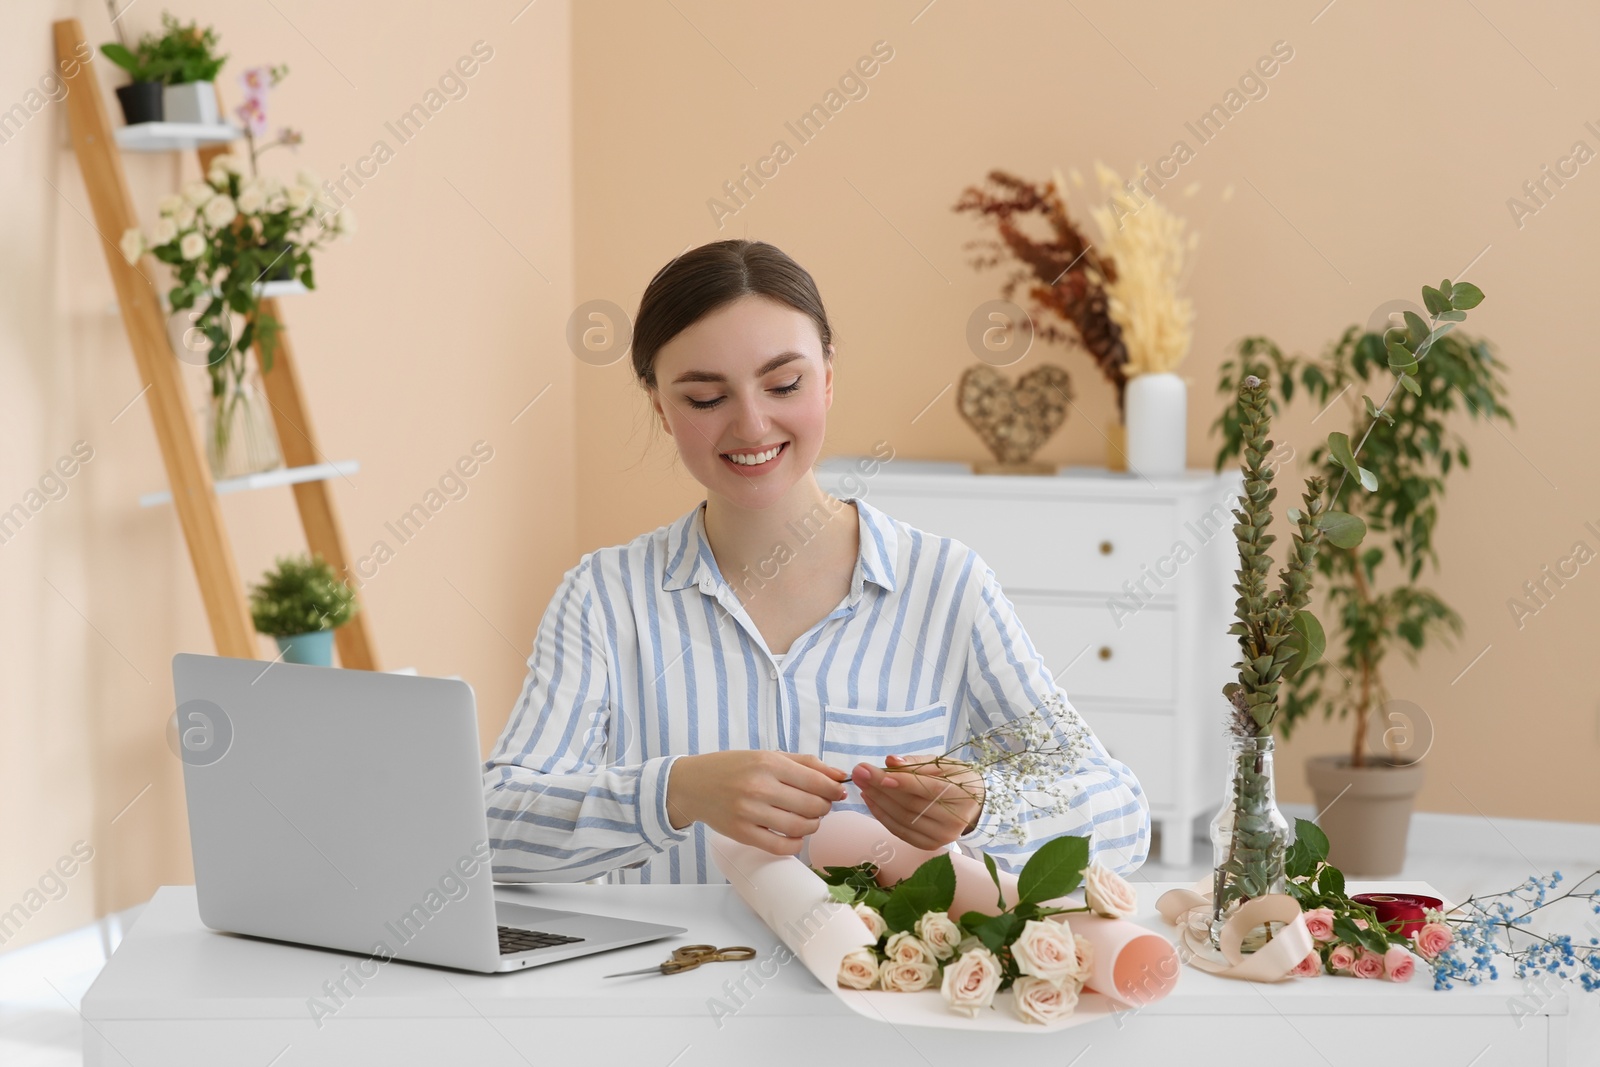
x=1381 y=157
x=429 y=331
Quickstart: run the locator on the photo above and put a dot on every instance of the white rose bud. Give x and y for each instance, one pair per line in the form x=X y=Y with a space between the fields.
x=970 y=982
x=197 y=193
x=1108 y=894
x=132 y=244
x=164 y=232
x=184 y=216
x=192 y=245
x=875 y=924
x=1040 y=1001
x=940 y=933
x=170 y=204
x=902 y=977
x=299 y=196
x=220 y=210
x=903 y=947
x=1045 y=950
x=859 y=969
x=251 y=199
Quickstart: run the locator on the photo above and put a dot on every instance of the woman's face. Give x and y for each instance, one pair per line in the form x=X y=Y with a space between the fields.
x=747 y=379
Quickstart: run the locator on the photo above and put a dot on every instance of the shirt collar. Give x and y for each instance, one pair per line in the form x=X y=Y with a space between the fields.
x=689 y=558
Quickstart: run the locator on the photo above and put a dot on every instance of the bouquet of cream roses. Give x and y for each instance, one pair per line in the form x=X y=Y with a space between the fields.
x=971 y=958
x=223 y=237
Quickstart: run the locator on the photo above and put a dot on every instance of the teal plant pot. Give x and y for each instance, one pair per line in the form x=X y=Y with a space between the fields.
x=314 y=649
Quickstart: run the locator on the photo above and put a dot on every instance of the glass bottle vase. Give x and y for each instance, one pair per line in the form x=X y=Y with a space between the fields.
x=239 y=434
x=1249 y=839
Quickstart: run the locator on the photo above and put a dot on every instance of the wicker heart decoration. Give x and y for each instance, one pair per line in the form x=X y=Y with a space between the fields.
x=1014 y=421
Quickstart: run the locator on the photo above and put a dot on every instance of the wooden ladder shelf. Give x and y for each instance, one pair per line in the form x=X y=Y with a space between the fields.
x=193 y=493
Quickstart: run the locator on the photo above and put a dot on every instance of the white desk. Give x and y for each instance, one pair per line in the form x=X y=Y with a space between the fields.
x=175 y=993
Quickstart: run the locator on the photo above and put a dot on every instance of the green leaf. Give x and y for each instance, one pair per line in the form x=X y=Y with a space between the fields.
x=1434 y=300
x=1410 y=385
x=1453 y=316
x=1331 y=880
x=1465 y=295
x=844 y=894
x=121 y=57
x=1401 y=358
x=1375 y=412
x=1054 y=870
x=931 y=887
x=1339 y=451
x=994 y=873
x=1342 y=529
x=1369 y=481
x=1416 y=329
x=1310 y=642
x=997 y=931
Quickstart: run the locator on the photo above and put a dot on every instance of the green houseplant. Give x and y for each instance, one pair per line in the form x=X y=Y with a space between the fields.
x=189 y=66
x=1279 y=638
x=1371 y=591
x=300 y=603
x=141 y=98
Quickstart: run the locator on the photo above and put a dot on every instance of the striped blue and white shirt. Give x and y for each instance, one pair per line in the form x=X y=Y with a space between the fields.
x=646 y=654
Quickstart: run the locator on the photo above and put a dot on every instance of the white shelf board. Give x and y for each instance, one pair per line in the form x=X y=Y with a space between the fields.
x=172 y=136
x=287 y=287
x=265 y=480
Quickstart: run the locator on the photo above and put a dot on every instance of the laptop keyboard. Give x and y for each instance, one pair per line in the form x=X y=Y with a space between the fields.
x=514 y=939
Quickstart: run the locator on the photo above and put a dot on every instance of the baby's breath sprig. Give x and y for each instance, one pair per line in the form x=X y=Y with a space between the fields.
x=1026 y=762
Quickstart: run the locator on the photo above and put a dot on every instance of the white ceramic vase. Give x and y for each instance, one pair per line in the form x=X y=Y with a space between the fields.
x=1157 y=415
x=190 y=102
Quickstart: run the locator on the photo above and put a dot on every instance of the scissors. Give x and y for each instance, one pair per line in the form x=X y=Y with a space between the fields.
x=689 y=957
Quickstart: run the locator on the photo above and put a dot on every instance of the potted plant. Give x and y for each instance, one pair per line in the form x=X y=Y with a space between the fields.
x=1376 y=603
x=189 y=68
x=301 y=603
x=223 y=236
x=1279 y=638
x=141 y=98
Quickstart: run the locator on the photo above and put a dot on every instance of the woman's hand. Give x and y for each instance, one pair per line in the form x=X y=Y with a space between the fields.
x=772 y=800
x=927 y=803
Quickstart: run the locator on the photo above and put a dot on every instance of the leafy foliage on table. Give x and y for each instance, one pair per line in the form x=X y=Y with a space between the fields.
x=1053 y=871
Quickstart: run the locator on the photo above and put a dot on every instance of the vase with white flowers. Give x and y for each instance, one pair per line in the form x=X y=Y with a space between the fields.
x=223 y=237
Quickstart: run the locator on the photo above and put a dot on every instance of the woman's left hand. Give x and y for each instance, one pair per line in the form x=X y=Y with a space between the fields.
x=926 y=803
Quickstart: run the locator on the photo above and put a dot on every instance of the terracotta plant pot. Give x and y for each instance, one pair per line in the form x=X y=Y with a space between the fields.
x=1366 y=812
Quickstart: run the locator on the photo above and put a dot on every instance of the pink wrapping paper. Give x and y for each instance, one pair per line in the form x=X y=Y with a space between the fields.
x=1132 y=964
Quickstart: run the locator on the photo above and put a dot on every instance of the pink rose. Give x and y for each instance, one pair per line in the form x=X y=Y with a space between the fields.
x=900 y=977
x=1046 y=950
x=1368 y=965
x=903 y=947
x=1309 y=967
x=1320 y=922
x=939 y=933
x=1041 y=1001
x=970 y=982
x=1108 y=893
x=1341 y=958
x=874 y=922
x=1433 y=938
x=1085 y=958
x=1397 y=964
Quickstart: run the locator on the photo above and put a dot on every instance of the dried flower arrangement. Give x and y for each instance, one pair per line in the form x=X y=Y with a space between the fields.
x=1067 y=274
x=1148 y=244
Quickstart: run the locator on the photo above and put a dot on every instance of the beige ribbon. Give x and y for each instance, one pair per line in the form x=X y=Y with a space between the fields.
x=1190 y=912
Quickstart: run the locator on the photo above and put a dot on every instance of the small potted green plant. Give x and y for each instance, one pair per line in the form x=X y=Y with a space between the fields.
x=300 y=603
x=189 y=66
x=141 y=98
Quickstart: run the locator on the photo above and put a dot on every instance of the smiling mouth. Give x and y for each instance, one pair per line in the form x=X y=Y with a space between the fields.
x=750 y=462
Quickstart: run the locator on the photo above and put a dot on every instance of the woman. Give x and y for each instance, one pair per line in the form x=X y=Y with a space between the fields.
x=662 y=699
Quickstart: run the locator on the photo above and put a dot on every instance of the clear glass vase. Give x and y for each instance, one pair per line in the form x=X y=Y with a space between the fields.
x=1249 y=838
x=240 y=437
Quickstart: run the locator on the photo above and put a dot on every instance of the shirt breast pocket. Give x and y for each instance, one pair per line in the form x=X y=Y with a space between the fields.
x=855 y=735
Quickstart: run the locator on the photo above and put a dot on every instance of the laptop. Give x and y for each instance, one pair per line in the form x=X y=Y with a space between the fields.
x=345 y=809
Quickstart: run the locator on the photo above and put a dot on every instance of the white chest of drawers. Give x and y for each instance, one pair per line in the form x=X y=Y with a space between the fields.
x=1125 y=586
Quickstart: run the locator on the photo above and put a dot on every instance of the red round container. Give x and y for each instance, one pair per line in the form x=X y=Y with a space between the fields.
x=1402 y=913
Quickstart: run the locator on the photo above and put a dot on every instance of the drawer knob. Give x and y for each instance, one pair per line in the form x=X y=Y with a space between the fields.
x=1105 y=548
x=1105 y=651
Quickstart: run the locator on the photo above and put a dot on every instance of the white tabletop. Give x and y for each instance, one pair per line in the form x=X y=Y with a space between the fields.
x=170 y=970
